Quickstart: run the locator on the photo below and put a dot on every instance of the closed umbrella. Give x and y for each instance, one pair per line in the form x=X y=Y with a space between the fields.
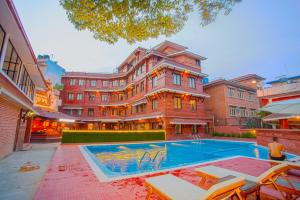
x=291 y=106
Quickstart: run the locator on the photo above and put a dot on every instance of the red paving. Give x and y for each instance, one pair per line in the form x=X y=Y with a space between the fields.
x=79 y=182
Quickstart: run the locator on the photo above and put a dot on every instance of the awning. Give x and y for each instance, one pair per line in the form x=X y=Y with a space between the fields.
x=142 y=101
x=291 y=107
x=94 y=119
x=187 y=121
x=72 y=108
x=145 y=116
x=52 y=115
x=274 y=117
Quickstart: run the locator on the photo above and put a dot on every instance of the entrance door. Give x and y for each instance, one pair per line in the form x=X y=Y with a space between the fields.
x=178 y=128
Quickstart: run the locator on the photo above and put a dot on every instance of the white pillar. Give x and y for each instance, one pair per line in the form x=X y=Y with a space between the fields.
x=2 y=56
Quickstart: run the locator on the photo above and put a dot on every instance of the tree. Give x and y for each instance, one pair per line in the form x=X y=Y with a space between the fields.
x=138 y=20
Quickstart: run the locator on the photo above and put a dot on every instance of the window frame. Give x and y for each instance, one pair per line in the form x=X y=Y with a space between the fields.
x=176 y=78
x=192 y=84
x=177 y=104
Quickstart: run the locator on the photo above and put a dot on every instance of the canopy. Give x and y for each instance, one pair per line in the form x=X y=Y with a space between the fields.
x=187 y=121
x=291 y=106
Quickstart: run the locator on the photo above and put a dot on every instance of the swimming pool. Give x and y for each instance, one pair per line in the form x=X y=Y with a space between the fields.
x=111 y=162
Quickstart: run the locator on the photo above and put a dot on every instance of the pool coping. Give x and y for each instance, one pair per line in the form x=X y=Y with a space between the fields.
x=103 y=178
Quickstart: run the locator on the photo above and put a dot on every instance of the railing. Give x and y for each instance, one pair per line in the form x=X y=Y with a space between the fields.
x=291 y=87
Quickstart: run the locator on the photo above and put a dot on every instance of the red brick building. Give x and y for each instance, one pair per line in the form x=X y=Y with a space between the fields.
x=233 y=103
x=283 y=88
x=159 y=88
x=19 y=77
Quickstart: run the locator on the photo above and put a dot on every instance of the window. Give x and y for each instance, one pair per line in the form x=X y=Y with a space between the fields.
x=70 y=96
x=143 y=68
x=113 y=112
x=105 y=83
x=68 y=111
x=240 y=94
x=192 y=82
x=154 y=104
x=198 y=62
x=137 y=109
x=72 y=81
x=25 y=83
x=115 y=83
x=113 y=97
x=193 y=104
x=252 y=113
x=81 y=82
x=104 y=113
x=177 y=79
x=92 y=97
x=137 y=89
x=79 y=112
x=12 y=63
x=2 y=36
x=93 y=83
x=251 y=96
x=121 y=97
x=178 y=128
x=104 y=97
x=122 y=82
x=79 y=96
x=177 y=102
x=230 y=92
x=233 y=111
x=90 y=112
x=154 y=81
x=243 y=112
x=142 y=86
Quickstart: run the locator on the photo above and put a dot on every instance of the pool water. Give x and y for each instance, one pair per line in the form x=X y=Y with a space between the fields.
x=133 y=159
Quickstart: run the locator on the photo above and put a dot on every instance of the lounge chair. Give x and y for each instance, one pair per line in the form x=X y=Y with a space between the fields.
x=275 y=177
x=171 y=187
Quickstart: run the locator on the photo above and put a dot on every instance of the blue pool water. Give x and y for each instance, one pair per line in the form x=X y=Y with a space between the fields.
x=125 y=159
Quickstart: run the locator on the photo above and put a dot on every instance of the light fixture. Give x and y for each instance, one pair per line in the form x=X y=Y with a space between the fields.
x=67 y=120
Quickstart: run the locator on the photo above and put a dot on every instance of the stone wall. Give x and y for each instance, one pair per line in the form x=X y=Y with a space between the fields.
x=289 y=138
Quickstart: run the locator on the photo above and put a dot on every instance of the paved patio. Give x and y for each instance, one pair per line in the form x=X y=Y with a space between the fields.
x=15 y=185
x=79 y=182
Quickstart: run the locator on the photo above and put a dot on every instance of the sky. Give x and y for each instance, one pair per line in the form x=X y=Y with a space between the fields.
x=261 y=37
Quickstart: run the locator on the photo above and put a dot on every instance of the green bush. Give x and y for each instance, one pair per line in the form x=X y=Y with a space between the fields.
x=86 y=136
x=243 y=135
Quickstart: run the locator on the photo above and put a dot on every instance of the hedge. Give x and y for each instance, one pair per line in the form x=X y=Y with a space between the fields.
x=243 y=135
x=87 y=136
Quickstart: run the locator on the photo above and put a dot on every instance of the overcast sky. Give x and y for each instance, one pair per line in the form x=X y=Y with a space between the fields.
x=261 y=37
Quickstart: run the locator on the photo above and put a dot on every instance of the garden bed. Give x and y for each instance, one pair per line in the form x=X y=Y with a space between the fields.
x=91 y=136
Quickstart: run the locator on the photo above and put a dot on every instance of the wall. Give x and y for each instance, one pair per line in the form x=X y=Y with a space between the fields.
x=8 y=120
x=289 y=138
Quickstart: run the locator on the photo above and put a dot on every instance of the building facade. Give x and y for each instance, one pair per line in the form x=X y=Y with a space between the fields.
x=281 y=89
x=233 y=103
x=159 y=88
x=19 y=78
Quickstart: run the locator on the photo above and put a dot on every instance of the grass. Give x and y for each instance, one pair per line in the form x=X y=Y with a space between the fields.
x=243 y=135
x=87 y=136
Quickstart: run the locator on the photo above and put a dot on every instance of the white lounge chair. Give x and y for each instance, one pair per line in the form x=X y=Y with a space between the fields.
x=171 y=187
x=275 y=176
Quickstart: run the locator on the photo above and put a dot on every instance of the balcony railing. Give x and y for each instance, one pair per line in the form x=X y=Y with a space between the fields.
x=275 y=90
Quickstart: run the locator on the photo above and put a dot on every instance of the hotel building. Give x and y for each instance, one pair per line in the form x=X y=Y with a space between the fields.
x=233 y=103
x=281 y=89
x=19 y=78
x=159 y=88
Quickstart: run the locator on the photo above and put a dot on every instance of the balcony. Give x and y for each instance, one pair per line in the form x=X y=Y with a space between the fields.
x=276 y=90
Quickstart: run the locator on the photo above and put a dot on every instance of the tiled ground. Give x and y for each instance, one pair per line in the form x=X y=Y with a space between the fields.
x=79 y=182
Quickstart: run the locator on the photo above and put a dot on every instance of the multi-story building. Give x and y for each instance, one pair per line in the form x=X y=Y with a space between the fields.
x=233 y=103
x=19 y=77
x=283 y=88
x=159 y=88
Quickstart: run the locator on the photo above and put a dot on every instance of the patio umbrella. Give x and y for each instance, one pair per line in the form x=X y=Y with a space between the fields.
x=291 y=106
